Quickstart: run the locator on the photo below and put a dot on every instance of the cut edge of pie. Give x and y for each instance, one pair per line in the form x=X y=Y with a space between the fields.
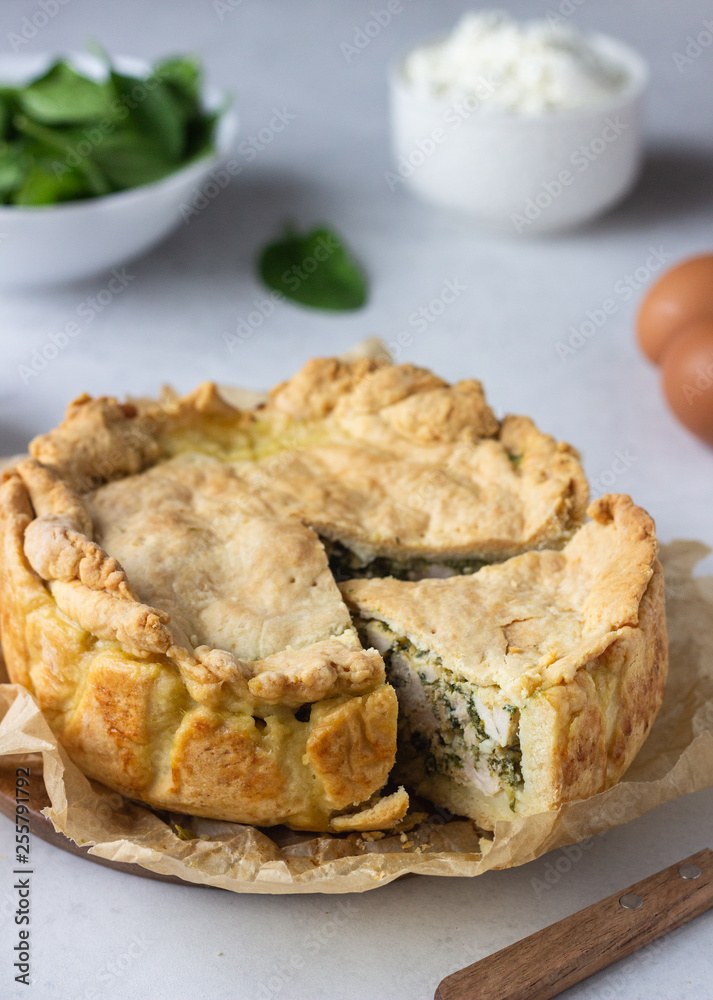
x=570 y=672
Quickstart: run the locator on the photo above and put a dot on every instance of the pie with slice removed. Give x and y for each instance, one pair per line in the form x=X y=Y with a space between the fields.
x=528 y=683
x=170 y=594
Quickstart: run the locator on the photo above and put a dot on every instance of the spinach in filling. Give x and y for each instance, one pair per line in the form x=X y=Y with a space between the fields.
x=345 y=564
x=460 y=736
x=450 y=745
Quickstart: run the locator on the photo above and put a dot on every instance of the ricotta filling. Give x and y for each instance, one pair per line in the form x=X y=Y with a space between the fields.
x=522 y=68
x=454 y=727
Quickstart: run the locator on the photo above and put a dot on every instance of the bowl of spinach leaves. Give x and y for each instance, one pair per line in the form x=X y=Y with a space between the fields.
x=100 y=159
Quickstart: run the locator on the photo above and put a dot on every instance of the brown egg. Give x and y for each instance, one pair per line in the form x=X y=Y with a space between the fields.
x=687 y=371
x=680 y=297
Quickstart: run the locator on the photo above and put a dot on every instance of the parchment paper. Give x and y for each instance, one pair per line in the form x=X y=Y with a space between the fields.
x=676 y=759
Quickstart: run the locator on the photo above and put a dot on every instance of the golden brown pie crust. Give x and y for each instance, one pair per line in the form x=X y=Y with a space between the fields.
x=165 y=592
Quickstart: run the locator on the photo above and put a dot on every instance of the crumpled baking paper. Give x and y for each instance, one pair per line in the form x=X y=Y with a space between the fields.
x=676 y=759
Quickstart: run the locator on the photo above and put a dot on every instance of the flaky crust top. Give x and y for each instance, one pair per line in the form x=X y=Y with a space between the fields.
x=189 y=528
x=532 y=622
x=388 y=460
x=174 y=553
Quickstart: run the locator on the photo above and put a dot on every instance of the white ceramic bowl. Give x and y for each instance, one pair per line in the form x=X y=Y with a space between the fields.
x=49 y=244
x=521 y=173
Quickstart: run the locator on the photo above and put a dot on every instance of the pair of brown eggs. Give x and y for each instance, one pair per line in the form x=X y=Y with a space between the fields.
x=675 y=330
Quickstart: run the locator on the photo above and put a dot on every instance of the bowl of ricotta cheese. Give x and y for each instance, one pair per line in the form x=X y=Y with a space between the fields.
x=525 y=127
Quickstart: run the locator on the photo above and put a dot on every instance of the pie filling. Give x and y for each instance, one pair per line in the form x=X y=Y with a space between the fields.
x=346 y=564
x=448 y=725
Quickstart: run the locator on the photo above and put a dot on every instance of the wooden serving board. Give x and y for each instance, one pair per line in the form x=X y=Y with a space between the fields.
x=41 y=827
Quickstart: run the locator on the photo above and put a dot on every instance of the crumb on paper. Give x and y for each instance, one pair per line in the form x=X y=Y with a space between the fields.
x=409 y=821
x=368 y=837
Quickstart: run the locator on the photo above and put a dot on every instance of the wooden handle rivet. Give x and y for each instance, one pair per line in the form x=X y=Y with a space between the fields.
x=689 y=871
x=631 y=901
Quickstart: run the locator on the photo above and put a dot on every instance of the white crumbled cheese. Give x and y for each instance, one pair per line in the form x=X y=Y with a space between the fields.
x=470 y=736
x=413 y=695
x=498 y=723
x=379 y=636
x=500 y=64
x=426 y=718
x=430 y=674
x=459 y=706
x=479 y=774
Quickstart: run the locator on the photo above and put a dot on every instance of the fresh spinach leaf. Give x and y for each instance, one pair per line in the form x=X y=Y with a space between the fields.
x=66 y=146
x=129 y=162
x=63 y=96
x=7 y=108
x=183 y=75
x=42 y=187
x=12 y=167
x=154 y=111
x=315 y=269
x=200 y=135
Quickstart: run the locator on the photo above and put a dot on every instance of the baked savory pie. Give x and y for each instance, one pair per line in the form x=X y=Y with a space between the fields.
x=170 y=596
x=530 y=682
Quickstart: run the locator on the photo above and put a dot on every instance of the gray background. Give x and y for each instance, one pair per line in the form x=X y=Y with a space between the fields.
x=520 y=300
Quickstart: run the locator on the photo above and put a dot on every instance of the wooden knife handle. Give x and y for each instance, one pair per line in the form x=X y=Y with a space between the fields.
x=548 y=962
